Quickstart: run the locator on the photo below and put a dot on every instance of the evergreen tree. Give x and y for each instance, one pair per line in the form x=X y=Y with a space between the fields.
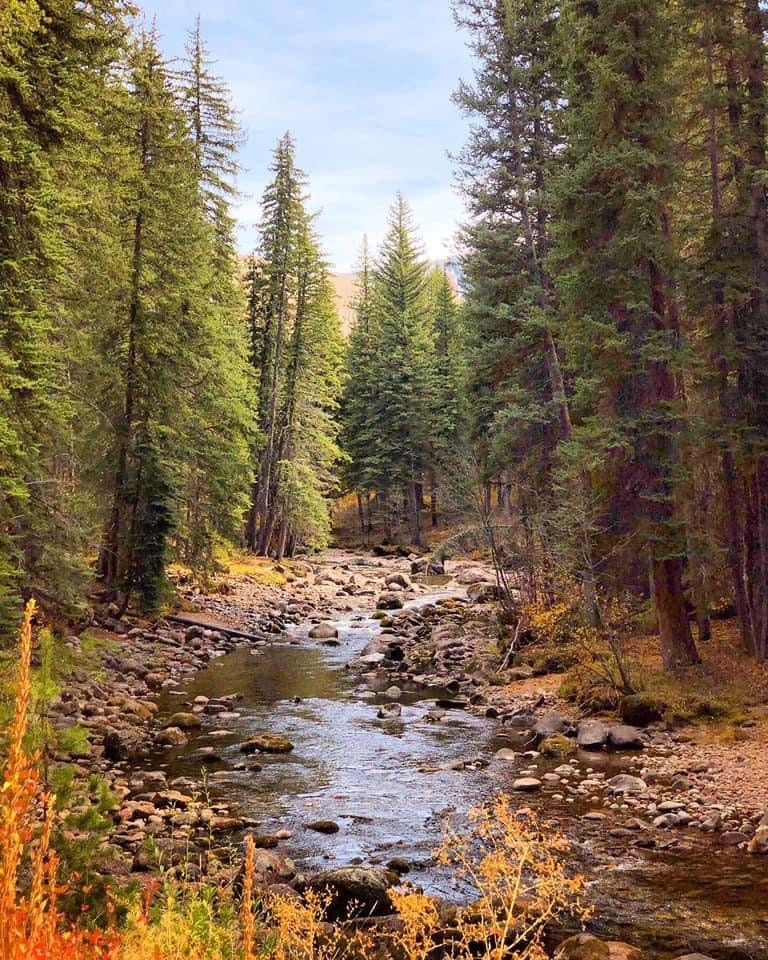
x=402 y=411
x=52 y=62
x=623 y=332
x=293 y=330
x=359 y=429
x=160 y=337
x=214 y=127
x=520 y=411
x=446 y=378
x=217 y=464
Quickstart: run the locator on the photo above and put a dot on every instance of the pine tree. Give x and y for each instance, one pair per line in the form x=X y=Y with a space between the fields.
x=217 y=463
x=53 y=62
x=623 y=332
x=520 y=410
x=402 y=410
x=361 y=391
x=293 y=329
x=446 y=378
x=160 y=336
x=214 y=127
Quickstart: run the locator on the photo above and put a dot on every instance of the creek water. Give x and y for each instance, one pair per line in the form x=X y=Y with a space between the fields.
x=389 y=785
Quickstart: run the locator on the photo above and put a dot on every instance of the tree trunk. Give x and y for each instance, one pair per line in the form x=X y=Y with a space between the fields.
x=677 y=647
x=361 y=514
x=413 y=512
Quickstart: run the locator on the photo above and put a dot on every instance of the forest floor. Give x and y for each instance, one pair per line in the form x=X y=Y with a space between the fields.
x=660 y=815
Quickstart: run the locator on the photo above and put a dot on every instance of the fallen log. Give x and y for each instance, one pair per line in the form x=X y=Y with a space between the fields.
x=218 y=627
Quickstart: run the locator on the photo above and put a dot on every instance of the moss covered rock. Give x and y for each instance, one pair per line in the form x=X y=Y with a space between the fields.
x=641 y=709
x=557 y=746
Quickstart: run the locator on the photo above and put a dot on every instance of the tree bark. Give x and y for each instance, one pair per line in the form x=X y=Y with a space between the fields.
x=677 y=647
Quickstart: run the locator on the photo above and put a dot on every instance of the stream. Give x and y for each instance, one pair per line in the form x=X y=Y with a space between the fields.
x=389 y=785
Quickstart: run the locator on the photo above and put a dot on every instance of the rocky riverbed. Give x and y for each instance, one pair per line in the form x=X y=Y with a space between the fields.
x=341 y=742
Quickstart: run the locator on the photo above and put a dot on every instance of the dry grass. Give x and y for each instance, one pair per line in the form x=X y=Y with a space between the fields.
x=722 y=686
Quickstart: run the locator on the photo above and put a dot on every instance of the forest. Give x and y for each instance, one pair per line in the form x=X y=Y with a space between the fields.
x=542 y=463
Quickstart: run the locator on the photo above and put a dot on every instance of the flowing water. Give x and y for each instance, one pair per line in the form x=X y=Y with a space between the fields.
x=389 y=785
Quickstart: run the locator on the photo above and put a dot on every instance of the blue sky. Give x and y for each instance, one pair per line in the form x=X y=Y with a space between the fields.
x=365 y=89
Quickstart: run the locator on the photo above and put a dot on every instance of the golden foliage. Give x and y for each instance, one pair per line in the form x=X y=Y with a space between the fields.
x=518 y=871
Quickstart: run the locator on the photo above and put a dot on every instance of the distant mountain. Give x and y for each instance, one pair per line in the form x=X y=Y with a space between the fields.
x=344 y=287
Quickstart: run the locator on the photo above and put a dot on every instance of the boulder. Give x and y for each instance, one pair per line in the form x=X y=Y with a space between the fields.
x=759 y=842
x=427 y=567
x=270 y=863
x=119 y=747
x=472 y=575
x=592 y=735
x=483 y=592
x=641 y=709
x=623 y=737
x=184 y=721
x=267 y=743
x=626 y=783
x=389 y=711
x=618 y=950
x=583 y=946
x=323 y=826
x=354 y=891
x=526 y=784
x=557 y=746
x=323 y=631
x=389 y=601
x=171 y=737
x=399 y=579
x=548 y=725
x=694 y=956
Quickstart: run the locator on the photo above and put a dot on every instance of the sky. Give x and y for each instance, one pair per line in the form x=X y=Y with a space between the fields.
x=365 y=88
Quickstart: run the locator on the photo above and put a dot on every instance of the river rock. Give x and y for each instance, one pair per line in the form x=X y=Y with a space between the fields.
x=623 y=737
x=401 y=579
x=123 y=746
x=470 y=575
x=388 y=711
x=583 y=946
x=527 y=784
x=592 y=734
x=323 y=826
x=389 y=601
x=759 y=842
x=323 y=631
x=184 y=721
x=370 y=659
x=694 y=956
x=625 y=783
x=548 y=725
x=270 y=863
x=558 y=746
x=354 y=891
x=618 y=950
x=483 y=592
x=171 y=737
x=267 y=743
x=428 y=567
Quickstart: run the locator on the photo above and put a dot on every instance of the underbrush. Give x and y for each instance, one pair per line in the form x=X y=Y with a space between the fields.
x=619 y=668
